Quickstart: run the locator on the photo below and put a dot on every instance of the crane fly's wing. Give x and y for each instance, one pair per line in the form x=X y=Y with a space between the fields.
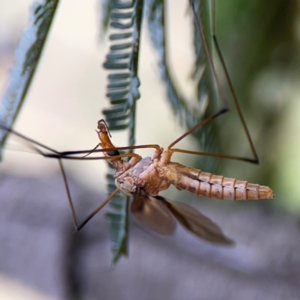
x=197 y=223
x=153 y=214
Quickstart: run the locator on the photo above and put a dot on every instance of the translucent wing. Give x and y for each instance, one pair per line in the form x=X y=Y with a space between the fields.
x=195 y=222
x=153 y=214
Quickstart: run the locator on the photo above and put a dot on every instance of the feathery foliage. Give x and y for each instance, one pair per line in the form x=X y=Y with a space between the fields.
x=28 y=55
x=123 y=20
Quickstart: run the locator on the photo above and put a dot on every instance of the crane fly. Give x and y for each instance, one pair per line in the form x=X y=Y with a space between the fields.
x=144 y=178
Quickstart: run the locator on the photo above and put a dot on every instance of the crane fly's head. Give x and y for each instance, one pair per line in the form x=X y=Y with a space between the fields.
x=126 y=185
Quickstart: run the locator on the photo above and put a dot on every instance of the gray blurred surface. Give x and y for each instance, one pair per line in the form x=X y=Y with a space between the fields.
x=39 y=248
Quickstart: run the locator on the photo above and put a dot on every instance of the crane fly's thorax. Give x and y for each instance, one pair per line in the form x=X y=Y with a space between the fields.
x=129 y=180
x=144 y=175
x=140 y=167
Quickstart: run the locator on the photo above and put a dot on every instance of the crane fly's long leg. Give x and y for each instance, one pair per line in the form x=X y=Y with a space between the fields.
x=91 y=151
x=222 y=94
x=68 y=193
x=235 y=99
x=94 y=212
x=250 y=160
x=59 y=156
x=28 y=140
x=208 y=55
x=198 y=126
x=67 y=153
x=73 y=212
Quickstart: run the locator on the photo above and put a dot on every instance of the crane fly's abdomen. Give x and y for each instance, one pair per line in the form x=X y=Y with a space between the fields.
x=221 y=187
x=214 y=186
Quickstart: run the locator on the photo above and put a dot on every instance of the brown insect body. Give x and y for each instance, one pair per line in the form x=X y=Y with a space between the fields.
x=144 y=178
x=213 y=186
x=154 y=176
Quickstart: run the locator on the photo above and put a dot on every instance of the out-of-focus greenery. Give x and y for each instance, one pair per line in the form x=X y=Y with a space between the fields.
x=260 y=44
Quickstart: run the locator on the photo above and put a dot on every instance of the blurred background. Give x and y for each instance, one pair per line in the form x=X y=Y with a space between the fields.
x=41 y=257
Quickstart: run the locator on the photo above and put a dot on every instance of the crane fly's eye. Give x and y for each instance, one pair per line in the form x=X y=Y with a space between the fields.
x=113 y=152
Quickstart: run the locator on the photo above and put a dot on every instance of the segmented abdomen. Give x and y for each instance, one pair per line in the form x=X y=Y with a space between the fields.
x=214 y=186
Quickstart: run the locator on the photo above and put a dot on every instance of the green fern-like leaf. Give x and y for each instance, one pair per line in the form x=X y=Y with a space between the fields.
x=119 y=221
x=123 y=82
x=28 y=55
x=125 y=20
x=188 y=111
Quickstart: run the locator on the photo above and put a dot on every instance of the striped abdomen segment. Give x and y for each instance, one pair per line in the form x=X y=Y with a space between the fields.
x=215 y=186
